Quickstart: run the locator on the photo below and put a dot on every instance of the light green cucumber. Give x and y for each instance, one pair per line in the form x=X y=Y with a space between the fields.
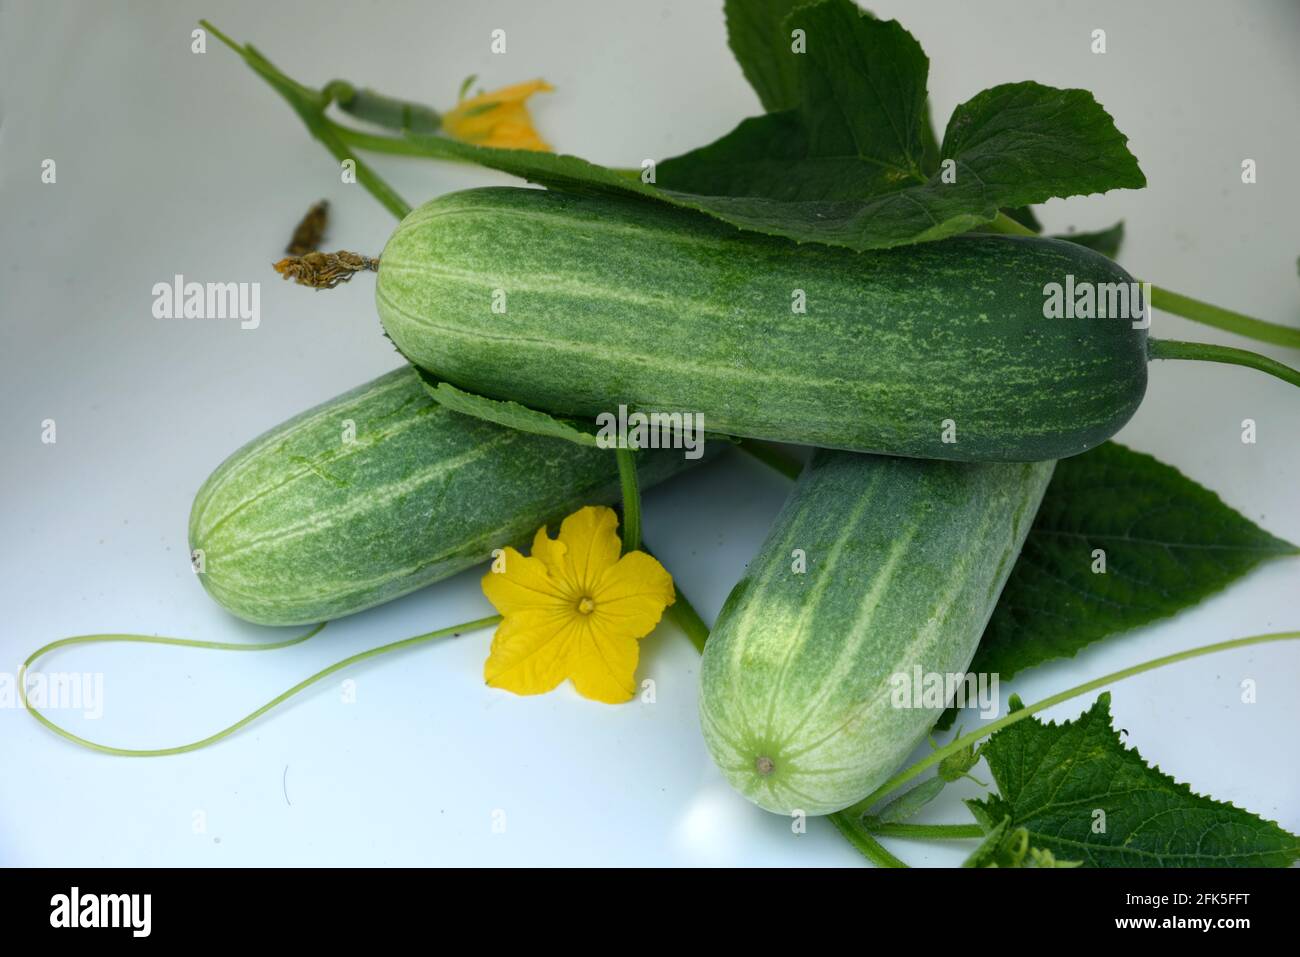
x=876 y=567
x=378 y=492
x=576 y=304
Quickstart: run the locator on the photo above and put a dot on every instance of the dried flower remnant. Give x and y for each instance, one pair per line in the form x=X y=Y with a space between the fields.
x=324 y=270
x=309 y=233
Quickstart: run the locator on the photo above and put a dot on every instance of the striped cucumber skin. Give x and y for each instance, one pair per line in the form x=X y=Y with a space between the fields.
x=299 y=526
x=610 y=301
x=905 y=561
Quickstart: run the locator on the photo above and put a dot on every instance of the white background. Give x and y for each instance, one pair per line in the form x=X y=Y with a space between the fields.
x=170 y=162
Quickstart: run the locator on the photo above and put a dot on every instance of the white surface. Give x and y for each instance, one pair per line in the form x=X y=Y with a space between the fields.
x=169 y=162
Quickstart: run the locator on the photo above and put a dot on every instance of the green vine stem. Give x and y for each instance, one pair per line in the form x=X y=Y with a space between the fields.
x=926 y=832
x=1189 y=308
x=424 y=147
x=1224 y=319
x=310 y=106
x=221 y=646
x=1208 y=352
x=627 y=480
x=683 y=614
x=966 y=740
x=860 y=838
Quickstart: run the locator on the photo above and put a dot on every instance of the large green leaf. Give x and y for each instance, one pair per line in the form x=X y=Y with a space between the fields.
x=847 y=163
x=1079 y=794
x=1167 y=544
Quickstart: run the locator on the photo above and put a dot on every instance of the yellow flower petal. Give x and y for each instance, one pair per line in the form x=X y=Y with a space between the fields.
x=499 y=118
x=631 y=596
x=515 y=93
x=550 y=552
x=533 y=651
x=604 y=665
x=524 y=585
x=592 y=545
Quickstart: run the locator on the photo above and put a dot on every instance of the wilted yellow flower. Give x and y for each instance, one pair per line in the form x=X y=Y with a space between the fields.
x=574 y=609
x=499 y=118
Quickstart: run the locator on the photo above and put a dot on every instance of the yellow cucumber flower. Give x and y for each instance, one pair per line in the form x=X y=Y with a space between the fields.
x=499 y=118
x=574 y=609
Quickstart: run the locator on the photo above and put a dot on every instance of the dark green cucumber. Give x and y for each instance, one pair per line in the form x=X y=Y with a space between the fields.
x=301 y=525
x=939 y=350
x=876 y=567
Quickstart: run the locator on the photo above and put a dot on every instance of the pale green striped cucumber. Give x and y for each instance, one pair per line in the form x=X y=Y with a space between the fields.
x=904 y=562
x=302 y=525
x=577 y=304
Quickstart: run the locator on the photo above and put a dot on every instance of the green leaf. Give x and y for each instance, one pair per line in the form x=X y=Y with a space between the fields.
x=520 y=417
x=763 y=45
x=1168 y=543
x=510 y=414
x=1028 y=143
x=1025 y=216
x=855 y=131
x=986 y=855
x=1079 y=794
x=1104 y=241
x=755 y=30
x=847 y=164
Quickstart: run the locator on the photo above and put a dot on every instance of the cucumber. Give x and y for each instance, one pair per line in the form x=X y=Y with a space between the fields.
x=904 y=563
x=300 y=526
x=611 y=301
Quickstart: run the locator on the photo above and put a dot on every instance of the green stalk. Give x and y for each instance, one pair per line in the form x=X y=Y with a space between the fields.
x=1208 y=352
x=427 y=147
x=1189 y=308
x=861 y=839
x=310 y=106
x=221 y=646
x=684 y=615
x=627 y=480
x=902 y=777
x=1224 y=319
x=928 y=832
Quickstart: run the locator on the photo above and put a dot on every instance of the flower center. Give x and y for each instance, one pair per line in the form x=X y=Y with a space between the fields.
x=586 y=606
